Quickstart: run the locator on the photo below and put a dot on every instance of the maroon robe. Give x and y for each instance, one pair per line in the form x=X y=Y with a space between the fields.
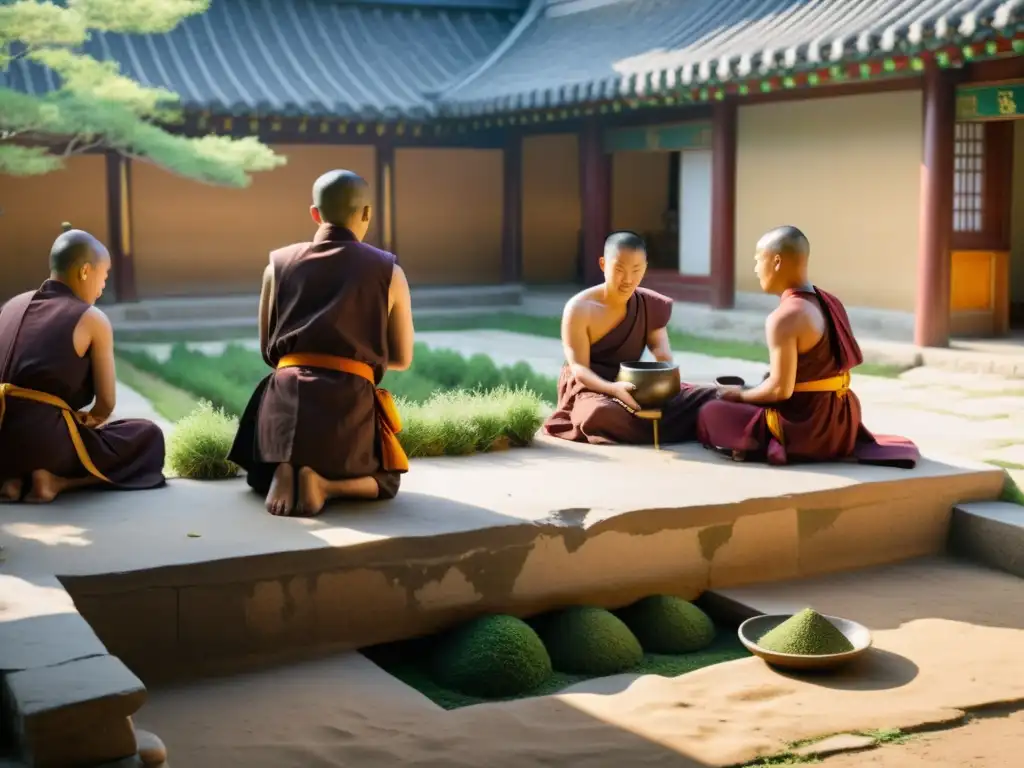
x=816 y=426
x=331 y=298
x=589 y=417
x=37 y=352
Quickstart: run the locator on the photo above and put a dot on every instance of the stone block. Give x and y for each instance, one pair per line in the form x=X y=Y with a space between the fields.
x=991 y=533
x=74 y=714
x=39 y=625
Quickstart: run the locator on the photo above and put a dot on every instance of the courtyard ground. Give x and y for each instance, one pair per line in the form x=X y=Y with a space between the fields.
x=971 y=415
x=990 y=741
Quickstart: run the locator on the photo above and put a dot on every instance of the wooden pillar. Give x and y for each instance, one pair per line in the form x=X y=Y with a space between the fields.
x=596 y=190
x=119 y=225
x=512 y=212
x=385 y=200
x=931 y=319
x=723 y=205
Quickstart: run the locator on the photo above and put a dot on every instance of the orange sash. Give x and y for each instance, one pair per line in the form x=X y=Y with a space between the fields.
x=838 y=385
x=11 y=390
x=393 y=457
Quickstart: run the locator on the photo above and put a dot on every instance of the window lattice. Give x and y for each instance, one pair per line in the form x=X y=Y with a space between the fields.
x=968 y=177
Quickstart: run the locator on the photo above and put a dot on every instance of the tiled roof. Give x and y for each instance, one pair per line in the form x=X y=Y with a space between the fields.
x=573 y=51
x=313 y=57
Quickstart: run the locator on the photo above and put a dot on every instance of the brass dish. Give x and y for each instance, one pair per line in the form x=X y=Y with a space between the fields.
x=656 y=383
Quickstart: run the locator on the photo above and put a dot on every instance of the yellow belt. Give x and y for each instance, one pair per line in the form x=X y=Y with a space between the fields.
x=393 y=456
x=11 y=390
x=839 y=385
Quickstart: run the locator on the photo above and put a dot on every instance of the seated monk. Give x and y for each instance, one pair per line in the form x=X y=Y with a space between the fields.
x=334 y=315
x=804 y=409
x=604 y=326
x=57 y=357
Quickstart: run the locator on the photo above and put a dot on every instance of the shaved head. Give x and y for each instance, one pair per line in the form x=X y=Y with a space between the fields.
x=623 y=241
x=341 y=196
x=74 y=248
x=786 y=242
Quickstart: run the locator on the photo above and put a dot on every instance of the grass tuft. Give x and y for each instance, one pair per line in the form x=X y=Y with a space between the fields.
x=198 y=446
x=462 y=422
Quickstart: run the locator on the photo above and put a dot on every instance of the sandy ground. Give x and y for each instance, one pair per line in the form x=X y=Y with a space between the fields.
x=987 y=742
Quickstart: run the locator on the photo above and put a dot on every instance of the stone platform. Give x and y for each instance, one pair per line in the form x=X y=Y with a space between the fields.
x=197 y=578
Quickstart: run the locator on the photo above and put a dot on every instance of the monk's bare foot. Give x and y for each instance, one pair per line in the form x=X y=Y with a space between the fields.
x=10 y=490
x=739 y=455
x=281 y=498
x=312 y=493
x=45 y=487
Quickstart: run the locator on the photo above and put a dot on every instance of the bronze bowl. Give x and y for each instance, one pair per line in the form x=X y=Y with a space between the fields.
x=656 y=383
x=731 y=381
x=753 y=629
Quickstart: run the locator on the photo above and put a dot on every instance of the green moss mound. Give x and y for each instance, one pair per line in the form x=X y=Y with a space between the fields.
x=588 y=641
x=669 y=625
x=808 y=633
x=198 y=446
x=491 y=657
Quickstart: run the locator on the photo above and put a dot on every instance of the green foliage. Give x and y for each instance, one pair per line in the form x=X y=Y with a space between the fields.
x=96 y=105
x=588 y=641
x=198 y=446
x=667 y=624
x=492 y=657
x=411 y=661
x=436 y=420
x=459 y=422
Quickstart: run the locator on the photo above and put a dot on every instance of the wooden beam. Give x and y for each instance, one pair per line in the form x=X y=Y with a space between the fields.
x=119 y=225
x=723 y=205
x=595 y=188
x=385 y=196
x=932 y=318
x=512 y=213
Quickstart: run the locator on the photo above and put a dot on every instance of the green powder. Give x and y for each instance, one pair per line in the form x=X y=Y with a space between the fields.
x=808 y=633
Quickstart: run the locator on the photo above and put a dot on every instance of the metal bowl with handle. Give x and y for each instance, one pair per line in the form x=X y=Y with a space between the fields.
x=656 y=383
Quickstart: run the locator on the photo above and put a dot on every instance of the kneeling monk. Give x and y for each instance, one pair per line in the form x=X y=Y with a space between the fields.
x=604 y=326
x=804 y=410
x=335 y=314
x=57 y=357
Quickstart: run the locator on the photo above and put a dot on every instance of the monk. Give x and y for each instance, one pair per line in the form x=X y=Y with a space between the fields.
x=604 y=326
x=804 y=410
x=334 y=315
x=57 y=357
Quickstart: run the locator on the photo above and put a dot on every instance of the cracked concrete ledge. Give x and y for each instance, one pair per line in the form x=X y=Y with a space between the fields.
x=210 y=580
x=66 y=701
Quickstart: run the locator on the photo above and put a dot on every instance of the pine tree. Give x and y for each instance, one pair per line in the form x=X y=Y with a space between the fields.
x=95 y=105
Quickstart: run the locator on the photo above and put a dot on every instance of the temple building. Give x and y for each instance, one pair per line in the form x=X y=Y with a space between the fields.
x=506 y=138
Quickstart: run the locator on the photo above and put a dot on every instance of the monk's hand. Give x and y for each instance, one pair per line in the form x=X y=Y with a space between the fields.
x=731 y=394
x=623 y=392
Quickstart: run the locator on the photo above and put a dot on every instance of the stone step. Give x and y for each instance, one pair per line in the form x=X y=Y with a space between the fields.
x=230 y=308
x=990 y=532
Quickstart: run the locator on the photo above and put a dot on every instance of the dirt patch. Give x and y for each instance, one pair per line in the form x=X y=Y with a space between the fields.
x=984 y=742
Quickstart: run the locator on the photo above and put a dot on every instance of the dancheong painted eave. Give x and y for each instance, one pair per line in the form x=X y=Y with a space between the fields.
x=322 y=58
x=566 y=52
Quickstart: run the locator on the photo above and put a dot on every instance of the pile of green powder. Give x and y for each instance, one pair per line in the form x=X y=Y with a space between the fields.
x=808 y=633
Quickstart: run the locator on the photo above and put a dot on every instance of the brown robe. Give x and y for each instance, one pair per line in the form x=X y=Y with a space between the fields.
x=589 y=417
x=815 y=426
x=36 y=341
x=331 y=298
